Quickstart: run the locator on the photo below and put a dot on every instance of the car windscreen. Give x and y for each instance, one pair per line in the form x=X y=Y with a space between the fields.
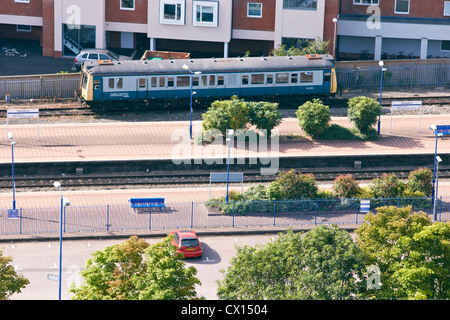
x=189 y=242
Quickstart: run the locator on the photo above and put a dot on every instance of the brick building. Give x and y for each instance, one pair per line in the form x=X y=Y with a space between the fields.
x=202 y=27
x=386 y=29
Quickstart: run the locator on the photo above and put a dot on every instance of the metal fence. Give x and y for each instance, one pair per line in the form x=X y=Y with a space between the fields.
x=393 y=76
x=40 y=86
x=204 y=215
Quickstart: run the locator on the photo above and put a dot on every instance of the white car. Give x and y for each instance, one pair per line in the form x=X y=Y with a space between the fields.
x=96 y=54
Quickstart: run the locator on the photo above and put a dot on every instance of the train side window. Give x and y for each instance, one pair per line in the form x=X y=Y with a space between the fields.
x=244 y=80
x=142 y=82
x=269 y=79
x=96 y=84
x=195 y=81
x=154 y=82
x=212 y=81
x=183 y=81
x=170 y=82
x=257 y=78
x=204 y=81
x=119 y=83
x=220 y=80
x=327 y=77
x=306 y=77
x=111 y=83
x=162 y=82
x=282 y=77
x=294 y=78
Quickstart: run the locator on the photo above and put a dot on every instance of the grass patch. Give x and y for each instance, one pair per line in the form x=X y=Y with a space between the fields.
x=337 y=132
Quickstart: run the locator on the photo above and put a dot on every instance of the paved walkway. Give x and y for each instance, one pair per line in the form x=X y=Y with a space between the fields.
x=170 y=140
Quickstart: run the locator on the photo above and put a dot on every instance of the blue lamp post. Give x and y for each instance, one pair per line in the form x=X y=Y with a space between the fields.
x=10 y=136
x=186 y=67
x=381 y=64
x=64 y=202
x=230 y=135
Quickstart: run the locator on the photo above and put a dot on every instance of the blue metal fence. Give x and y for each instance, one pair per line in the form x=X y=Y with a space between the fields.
x=196 y=215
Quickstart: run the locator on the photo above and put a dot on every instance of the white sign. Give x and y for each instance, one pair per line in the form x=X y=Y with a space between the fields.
x=22 y=113
x=364 y=206
x=52 y=277
x=406 y=105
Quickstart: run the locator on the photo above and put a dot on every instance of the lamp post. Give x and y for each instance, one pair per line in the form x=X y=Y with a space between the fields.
x=64 y=202
x=230 y=135
x=10 y=137
x=334 y=39
x=186 y=67
x=381 y=64
x=438 y=160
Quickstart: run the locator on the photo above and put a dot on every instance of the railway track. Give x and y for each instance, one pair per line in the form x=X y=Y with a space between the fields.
x=177 y=179
x=75 y=108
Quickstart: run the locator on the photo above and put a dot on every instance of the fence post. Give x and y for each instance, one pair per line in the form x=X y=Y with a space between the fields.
x=234 y=203
x=274 y=211
x=315 y=213
x=107 y=217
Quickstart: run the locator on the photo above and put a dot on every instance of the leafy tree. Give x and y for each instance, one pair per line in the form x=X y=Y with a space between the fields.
x=292 y=185
x=387 y=186
x=313 y=117
x=10 y=281
x=421 y=180
x=320 y=265
x=412 y=252
x=264 y=115
x=306 y=47
x=345 y=186
x=363 y=112
x=135 y=270
x=227 y=114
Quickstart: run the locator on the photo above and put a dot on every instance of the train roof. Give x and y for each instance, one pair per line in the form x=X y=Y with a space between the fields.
x=210 y=65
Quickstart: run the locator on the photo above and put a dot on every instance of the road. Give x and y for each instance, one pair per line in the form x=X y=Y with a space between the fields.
x=39 y=260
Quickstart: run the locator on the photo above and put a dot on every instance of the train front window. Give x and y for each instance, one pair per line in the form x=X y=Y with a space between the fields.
x=327 y=77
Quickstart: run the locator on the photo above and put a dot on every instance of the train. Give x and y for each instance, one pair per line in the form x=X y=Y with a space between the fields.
x=169 y=81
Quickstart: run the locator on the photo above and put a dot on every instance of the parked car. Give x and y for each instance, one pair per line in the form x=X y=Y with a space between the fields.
x=187 y=243
x=96 y=54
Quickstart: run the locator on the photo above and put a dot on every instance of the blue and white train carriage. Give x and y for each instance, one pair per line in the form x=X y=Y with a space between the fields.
x=211 y=78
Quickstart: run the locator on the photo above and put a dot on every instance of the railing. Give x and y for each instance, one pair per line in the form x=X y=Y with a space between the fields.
x=204 y=215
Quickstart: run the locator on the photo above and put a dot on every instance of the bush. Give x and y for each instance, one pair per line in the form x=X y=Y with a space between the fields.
x=264 y=115
x=313 y=117
x=345 y=186
x=388 y=186
x=421 y=180
x=291 y=185
x=363 y=112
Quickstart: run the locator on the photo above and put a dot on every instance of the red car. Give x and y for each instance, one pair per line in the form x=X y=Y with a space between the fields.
x=187 y=243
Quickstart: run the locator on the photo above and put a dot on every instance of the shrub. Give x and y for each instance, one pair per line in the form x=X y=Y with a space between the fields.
x=264 y=115
x=421 y=180
x=291 y=185
x=345 y=186
x=388 y=186
x=313 y=117
x=363 y=112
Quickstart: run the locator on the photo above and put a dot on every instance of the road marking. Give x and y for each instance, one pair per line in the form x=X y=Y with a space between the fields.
x=207 y=260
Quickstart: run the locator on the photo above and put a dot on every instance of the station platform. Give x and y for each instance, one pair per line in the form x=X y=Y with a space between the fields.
x=99 y=141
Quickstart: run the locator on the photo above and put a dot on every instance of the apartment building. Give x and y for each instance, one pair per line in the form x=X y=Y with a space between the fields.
x=202 y=27
x=387 y=29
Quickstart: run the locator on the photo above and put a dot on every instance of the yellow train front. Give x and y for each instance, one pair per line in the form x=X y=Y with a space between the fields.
x=261 y=77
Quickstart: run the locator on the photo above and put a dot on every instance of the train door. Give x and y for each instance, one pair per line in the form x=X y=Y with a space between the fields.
x=327 y=87
x=269 y=85
x=141 y=88
x=245 y=83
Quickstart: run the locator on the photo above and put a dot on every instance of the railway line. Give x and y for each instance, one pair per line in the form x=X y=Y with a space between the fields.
x=71 y=107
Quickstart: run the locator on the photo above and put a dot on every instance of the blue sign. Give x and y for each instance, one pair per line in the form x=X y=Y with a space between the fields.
x=13 y=213
x=444 y=130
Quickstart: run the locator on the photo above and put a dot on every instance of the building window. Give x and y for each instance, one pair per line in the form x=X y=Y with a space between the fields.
x=172 y=11
x=366 y=2
x=126 y=4
x=445 y=45
x=205 y=13
x=22 y=1
x=300 y=4
x=446 y=8
x=23 y=28
x=254 y=10
x=402 y=6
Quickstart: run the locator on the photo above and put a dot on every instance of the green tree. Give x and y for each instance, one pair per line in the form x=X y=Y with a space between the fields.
x=387 y=186
x=412 y=253
x=306 y=47
x=227 y=114
x=10 y=281
x=135 y=270
x=313 y=117
x=264 y=115
x=363 y=112
x=421 y=180
x=292 y=185
x=323 y=264
x=345 y=186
